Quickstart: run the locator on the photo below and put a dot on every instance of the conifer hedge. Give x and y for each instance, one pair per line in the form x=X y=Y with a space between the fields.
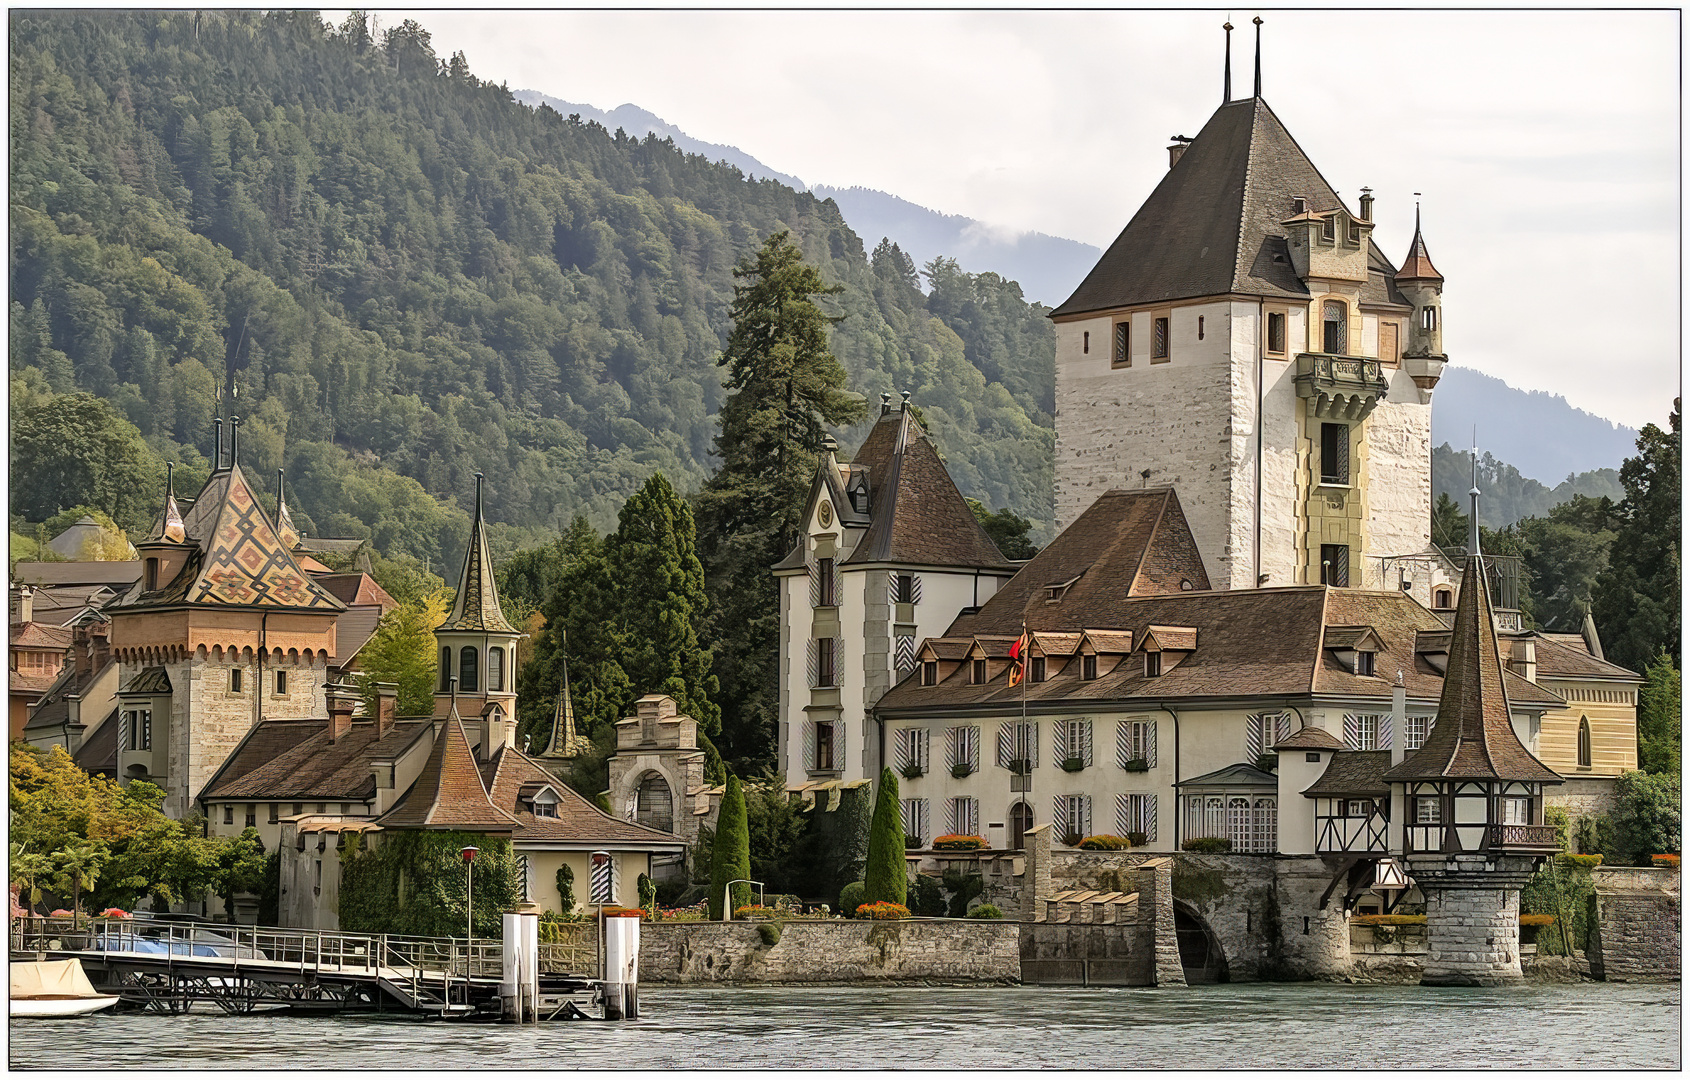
x=730 y=856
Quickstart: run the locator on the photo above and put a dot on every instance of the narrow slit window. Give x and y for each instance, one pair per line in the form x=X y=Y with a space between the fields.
x=1428 y=318
x=469 y=670
x=281 y=682
x=235 y=680
x=1123 y=344
x=1152 y=664
x=1199 y=328
x=929 y=673
x=495 y=669
x=978 y=673
x=1085 y=342
x=1159 y=339
x=1276 y=331
x=1088 y=666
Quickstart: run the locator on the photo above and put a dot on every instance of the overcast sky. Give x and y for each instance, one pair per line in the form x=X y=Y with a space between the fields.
x=1545 y=143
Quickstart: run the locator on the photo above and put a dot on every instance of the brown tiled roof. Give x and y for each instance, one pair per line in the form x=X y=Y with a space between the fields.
x=53 y=709
x=1127 y=543
x=56 y=605
x=1310 y=738
x=917 y=515
x=339 y=544
x=1213 y=225
x=1178 y=638
x=1109 y=641
x=1472 y=736
x=1558 y=660
x=238 y=559
x=1348 y=637
x=476 y=605
x=996 y=646
x=1354 y=772
x=357 y=590
x=41 y=636
x=949 y=648
x=449 y=793
x=151 y=680
x=31 y=684
x=1418 y=266
x=78 y=573
x=1054 y=643
x=98 y=752
x=295 y=760
x=578 y=821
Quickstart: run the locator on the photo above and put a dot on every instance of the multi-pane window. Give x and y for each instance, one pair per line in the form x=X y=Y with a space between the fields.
x=825 y=584
x=1152 y=664
x=138 y=729
x=915 y=821
x=228 y=813
x=1122 y=356
x=1276 y=332
x=1516 y=810
x=1334 y=323
x=1335 y=565
x=1329 y=228
x=963 y=745
x=824 y=662
x=1072 y=814
x=1135 y=745
x=1428 y=810
x=1018 y=742
x=1136 y=814
x=1334 y=453
x=495 y=669
x=1251 y=822
x=904 y=589
x=1159 y=338
x=1414 y=731
x=824 y=747
x=1262 y=730
x=1366 y=731
x=964 y=813
x=1075 y=736
x=1364 y=662
x=469 y=669
x=1428 y=318
x=909 y=751
x=251 y=815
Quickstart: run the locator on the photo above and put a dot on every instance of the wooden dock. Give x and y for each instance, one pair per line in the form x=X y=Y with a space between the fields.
x=172 y=966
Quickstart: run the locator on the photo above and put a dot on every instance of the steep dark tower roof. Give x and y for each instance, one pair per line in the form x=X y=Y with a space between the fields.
x=1212 y=226
x=1472 y=737
x=476 y=607
x=917 y=515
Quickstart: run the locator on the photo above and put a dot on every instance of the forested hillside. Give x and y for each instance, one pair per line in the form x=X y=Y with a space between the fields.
x=1505 y=495
x=407 y=277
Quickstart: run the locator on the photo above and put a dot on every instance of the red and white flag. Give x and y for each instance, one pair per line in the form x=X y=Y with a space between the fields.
x=1018 y=658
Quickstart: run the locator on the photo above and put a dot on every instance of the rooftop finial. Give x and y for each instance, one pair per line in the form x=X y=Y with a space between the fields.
x=1226 y=81
x=885 y=404
x=478 y=496
x=234 y=441
x=169 y=479
x=217 y=447
x=906 y=400
x=1473 y=495
x=1258 y=21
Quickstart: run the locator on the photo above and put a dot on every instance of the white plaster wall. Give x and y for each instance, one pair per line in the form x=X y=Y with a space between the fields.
x=1399 y=462
x=1172 y=418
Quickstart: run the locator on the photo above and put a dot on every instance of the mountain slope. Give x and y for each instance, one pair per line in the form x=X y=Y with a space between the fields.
x=1546 y=438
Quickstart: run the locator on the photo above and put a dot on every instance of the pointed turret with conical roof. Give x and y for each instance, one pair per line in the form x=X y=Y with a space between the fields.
x=564 y=742
x=477 y=644
x=449 y=793
x=1423 y=287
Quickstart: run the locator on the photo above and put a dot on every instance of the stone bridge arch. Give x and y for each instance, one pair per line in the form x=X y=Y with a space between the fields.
x=1200 y=952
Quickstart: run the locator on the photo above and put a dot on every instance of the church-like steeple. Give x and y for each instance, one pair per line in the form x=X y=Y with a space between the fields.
x=476 y=607
x=564 y=742
x=1418 y=266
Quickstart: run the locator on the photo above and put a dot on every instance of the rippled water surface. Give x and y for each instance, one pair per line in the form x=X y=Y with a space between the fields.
x=1590 y=1025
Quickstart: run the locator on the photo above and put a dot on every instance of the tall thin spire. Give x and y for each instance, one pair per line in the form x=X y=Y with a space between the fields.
x=234 y=441
x=1473 y=496
x=1258 y=21
x=476 y=607
x=1226 y=82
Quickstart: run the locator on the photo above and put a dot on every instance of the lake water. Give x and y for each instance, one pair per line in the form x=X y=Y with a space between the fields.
x=1256 y=1025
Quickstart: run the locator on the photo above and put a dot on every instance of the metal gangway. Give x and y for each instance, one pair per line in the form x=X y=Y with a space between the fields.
x=169 y=966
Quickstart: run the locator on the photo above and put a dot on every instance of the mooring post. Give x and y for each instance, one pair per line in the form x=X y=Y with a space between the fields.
x=622 y=967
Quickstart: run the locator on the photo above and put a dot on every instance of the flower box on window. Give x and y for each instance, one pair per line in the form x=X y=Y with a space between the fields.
x=1137 y=764
x=961 y=769
x=958 y=842
x=912 y=771
x=911 y=841
x=1073 y=764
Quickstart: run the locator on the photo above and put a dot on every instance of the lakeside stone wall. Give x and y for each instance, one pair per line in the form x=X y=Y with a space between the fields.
x=832 y=951
x=1634 y=936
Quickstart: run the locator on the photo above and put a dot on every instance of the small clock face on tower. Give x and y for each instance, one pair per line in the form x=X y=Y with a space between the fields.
x=825 y=513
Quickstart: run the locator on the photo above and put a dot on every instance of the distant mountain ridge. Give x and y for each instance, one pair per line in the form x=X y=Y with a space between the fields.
x=1542 y=435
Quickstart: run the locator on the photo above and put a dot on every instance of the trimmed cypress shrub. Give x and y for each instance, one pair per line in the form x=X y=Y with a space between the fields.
x=730 y=856
x=884 y=878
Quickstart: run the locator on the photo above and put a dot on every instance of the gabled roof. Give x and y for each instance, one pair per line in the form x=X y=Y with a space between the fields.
x=76 y=574
x=476 y=605
x=52 y=709
x=357 y=589
x=1127 y=543
x=1472 y=737
x=917 y=517
x=1055 y=643
x=239 y=559
x=1176 y=638
x=1237 y=775
x=1558 y=659
x=1309 y=738
x=1108 y=641
x=947 y=648
x=1213 y=225
x=449 y=793
x=150 y=680
x=352 y=631
x=1360 y=638
x=40 y=636
x=1354 y=772
x=578 y=821
x=295 y=760
x=98 y=752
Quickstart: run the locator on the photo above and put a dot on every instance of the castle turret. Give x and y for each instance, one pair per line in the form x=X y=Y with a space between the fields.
x=1422 y=285
x=478 y=646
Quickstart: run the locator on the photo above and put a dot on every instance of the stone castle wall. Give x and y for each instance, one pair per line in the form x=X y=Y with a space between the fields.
x=832 y=951
x=1635 y=934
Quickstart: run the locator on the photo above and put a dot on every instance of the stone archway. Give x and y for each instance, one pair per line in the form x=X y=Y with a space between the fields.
x=1200 y=951
x=654 y=802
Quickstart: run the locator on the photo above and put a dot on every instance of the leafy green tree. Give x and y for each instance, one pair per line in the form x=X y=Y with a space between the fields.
x=403 y=651
x=1449 y=524
x=1646 y=815
x=242 y=867
x=786 y=385
x=75 y=449
x=884 y=877
x=28 y=870
x=1636 y=600
x=79 y=866
x=1660 y=716
x=1007 y=529
x=775 y=825
x=1565 y=552
x=730 y=856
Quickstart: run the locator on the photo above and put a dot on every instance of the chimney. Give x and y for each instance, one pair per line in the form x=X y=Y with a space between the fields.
x=1177 y=150
x=387 y=695
x=342 y=700
x=1399 y=719
x=1367 y=204
x=496 y=731
x=26 y=604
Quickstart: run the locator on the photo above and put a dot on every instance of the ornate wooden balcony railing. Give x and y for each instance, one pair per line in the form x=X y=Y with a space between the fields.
x=1340 y=387
x=1525 y=838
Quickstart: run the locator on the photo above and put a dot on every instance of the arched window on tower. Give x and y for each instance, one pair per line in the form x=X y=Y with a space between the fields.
x=1334 y=325
x=1584 y=742
x=469 y=675
x=495 y=669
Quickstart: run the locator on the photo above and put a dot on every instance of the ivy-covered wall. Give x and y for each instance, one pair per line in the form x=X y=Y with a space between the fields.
x=413 y=882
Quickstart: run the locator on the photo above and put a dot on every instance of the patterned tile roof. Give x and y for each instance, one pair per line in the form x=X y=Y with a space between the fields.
x=151 y=680
x=1214 y=223
x=476 y=606
x=239 y=558
x=1472 y=736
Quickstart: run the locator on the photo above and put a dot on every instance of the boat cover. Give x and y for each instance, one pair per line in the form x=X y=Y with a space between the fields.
x=57 y=978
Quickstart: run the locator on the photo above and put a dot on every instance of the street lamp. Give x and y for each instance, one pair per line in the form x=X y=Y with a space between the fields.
x=469 y=854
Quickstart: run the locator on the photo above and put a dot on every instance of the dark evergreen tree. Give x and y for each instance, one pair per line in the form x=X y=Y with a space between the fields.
x=730 y=854
x=1660 y=716
x=1637 y=599
x=884 y=877
x=1007 y=529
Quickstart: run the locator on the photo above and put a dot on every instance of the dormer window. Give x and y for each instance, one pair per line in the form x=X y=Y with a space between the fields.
x=977 y=672
x=1038 y=669
x=1329 y=227
x=1355 y=233
x=1299 y=204
x=1364 y=663
x=929 y=673
x=1152 y=664
x=150 y=576
x=1443 y=599
x=545 y=803
x=1088 y=667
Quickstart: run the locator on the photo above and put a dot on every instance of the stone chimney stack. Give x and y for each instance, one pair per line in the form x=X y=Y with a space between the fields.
x=26 y=604
x=387 y=709
x=1399 y=720
x=342 y=700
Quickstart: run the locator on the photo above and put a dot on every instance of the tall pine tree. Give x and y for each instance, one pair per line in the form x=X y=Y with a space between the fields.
x=786 y=385
x=1636 y=600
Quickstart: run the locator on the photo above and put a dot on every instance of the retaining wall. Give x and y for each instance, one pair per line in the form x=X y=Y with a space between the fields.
x=1635 y=934
x=832 y=951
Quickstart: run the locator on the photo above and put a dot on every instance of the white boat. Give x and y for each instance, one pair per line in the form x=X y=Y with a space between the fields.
x=48 y=988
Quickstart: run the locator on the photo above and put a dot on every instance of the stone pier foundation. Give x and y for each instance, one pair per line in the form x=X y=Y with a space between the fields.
x=1472 y=918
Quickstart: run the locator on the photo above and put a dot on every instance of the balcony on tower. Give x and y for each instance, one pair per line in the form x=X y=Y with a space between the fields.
x=1340 y=387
